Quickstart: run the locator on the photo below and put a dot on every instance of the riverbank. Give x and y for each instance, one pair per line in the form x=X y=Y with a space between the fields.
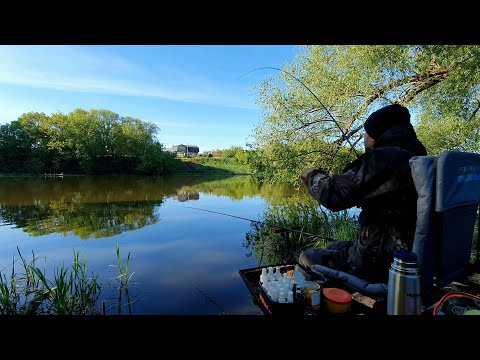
x=183 y=166
x=211 y=166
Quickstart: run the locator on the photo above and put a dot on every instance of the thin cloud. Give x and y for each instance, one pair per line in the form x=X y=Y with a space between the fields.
x=77 y=69
x=172 y=124
x=198 y=126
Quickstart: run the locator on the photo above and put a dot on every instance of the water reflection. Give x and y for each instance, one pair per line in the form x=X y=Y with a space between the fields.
x=185 y=261
x=99 y=207
x=184 y=195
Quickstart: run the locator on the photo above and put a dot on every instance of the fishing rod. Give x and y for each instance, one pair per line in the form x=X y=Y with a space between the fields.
x=344 y=135
x=261 y=223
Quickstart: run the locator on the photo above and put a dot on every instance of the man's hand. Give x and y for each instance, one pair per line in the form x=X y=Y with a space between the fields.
x=304 y=175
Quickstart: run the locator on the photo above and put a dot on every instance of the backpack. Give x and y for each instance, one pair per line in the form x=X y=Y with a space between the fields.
x=458 y=303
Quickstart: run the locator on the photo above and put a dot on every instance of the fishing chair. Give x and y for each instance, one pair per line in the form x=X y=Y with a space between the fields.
x=447 y=208
x=448 y=188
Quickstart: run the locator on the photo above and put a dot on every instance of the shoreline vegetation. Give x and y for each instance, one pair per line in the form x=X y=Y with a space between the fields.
x=28 y=290
x=187 y=166
x=211 y=166
x=101 y=142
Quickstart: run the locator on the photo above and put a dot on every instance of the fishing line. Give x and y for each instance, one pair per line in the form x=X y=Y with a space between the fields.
x=210 y=299
x=261 y=223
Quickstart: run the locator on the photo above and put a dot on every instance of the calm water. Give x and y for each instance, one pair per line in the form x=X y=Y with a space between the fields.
x=185 y=261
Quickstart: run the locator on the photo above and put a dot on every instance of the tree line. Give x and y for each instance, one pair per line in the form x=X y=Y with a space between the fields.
x=82 y=142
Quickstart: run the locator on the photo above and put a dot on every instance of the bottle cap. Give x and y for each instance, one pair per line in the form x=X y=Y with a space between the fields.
x=406 y=256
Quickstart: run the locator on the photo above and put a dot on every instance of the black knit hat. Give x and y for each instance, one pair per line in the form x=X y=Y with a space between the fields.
x=385 y=118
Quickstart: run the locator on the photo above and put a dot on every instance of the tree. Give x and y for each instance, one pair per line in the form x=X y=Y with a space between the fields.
x=92 y=142
x=315 y=107
x=15 y=148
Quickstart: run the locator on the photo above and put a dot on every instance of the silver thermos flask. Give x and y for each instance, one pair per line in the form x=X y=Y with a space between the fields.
x=404 y=286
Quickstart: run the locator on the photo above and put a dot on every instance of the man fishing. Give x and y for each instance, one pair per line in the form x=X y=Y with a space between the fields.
x=380 y=183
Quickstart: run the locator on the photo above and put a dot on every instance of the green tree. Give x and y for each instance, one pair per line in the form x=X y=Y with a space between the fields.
x=314 y=109
x=156 y=161
x=15 y=148
x=232 y=151
x=91 y=142
x=40 y=157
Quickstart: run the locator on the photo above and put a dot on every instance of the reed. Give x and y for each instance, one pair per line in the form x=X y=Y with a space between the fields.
x=71 y=291
x=27 y=290
x=124 y=277
x=122 y=282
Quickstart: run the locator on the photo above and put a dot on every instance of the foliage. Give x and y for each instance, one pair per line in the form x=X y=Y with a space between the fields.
x=278 y=162
x=439 y=84
x=156 y=161
x=441 y=133
x=235 y=152
x=89 y=142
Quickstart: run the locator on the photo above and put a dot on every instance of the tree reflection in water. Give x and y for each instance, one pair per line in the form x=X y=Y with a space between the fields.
x=105 y=206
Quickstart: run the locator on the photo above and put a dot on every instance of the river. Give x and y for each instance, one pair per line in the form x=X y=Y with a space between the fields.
x=184 y=261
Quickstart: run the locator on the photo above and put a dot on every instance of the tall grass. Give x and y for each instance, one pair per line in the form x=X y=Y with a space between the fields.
x=27 y=290
x=71 y=291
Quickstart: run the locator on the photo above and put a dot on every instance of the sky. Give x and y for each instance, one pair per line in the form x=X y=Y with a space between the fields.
x=196 y=94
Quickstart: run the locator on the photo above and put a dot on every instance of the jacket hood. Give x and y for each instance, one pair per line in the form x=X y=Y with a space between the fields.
x=404 y=137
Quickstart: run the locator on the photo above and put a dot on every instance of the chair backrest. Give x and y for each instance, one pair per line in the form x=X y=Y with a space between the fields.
x=448 y=189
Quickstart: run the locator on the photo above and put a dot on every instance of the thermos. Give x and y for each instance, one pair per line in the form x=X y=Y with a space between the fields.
x=404 y=286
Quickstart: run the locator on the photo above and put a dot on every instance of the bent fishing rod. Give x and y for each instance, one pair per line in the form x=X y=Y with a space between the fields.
x=344 y=135
x=261 y=223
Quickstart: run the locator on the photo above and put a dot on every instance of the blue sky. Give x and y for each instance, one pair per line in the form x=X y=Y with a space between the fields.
x=196 y=94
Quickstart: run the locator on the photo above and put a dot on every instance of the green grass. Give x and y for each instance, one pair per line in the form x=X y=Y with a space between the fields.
x=25 y=289
x=72 y=291
x=206 y=166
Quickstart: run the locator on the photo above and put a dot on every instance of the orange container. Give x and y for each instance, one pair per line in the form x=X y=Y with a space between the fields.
x=338 y=301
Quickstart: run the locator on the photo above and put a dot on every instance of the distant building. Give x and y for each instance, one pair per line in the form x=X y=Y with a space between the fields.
x=185 y=150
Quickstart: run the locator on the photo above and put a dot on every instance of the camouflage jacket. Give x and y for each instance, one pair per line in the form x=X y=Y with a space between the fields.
x=380 y=183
